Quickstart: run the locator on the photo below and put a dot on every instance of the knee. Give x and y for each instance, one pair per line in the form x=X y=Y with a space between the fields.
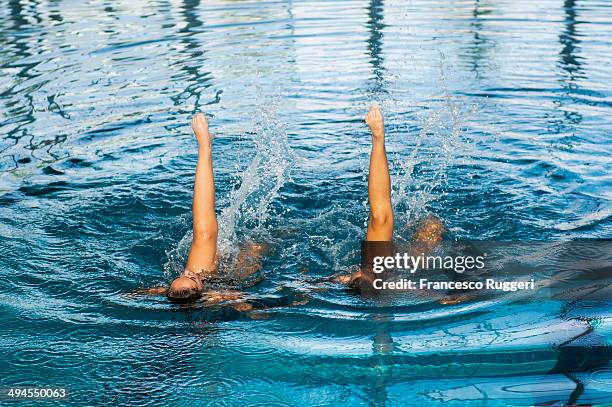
x=381 y=218
x=204 y=231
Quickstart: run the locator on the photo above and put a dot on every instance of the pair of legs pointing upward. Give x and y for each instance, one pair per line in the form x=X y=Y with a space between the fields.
x=202 y=259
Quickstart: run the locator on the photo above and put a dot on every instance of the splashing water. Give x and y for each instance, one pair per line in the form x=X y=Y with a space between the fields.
x=249 y=207
x=96 y=173
x=437 y=145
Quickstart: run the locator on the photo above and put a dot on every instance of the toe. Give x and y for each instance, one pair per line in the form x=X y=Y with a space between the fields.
x=199 y=122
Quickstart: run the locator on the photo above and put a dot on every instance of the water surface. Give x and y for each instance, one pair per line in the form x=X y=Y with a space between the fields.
x=499 y=121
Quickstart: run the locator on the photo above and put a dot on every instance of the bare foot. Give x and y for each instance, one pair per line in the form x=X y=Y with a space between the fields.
x=200 y=128
x=375 y=121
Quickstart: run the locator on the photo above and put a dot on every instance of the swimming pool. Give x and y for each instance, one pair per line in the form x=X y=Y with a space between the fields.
x=499 y=121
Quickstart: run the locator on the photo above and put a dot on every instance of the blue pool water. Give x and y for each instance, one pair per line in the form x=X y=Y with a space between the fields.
x=499 y=119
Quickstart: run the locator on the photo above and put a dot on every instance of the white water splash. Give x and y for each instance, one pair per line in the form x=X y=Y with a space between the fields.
x=437 y=145
x=249 y=207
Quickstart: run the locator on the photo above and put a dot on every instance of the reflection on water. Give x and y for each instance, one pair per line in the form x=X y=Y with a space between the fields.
x=476 y=52
x=498 y=117
x=570 y=61
x=375 y=41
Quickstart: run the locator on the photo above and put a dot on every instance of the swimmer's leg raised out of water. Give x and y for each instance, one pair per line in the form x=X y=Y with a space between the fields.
x=202 y=259
x=203 y=253
x=380 y=222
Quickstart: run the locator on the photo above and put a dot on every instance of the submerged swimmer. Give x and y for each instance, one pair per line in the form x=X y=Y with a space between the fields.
x=430 y=230
x=202 y=259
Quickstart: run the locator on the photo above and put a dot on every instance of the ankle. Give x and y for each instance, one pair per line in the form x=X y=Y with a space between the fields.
x=204 y=149
x=378 y=143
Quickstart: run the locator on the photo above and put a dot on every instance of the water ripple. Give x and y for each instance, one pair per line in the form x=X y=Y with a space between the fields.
x=498 y=120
